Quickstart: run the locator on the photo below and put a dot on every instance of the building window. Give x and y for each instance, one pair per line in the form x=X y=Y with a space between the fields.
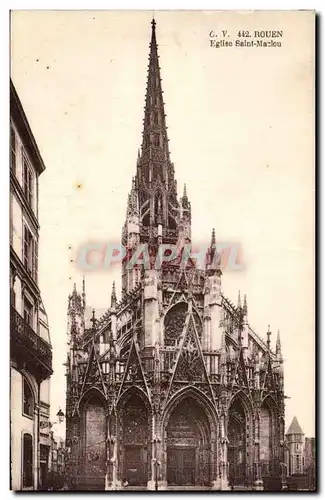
x=28 y=250
x=35 y=260
x=297 y=463
x=13 y=149
x=12 y=288
x=28 y=400
x=27 y=461
x=28 y=180
x=28 y=313
x=157 y=140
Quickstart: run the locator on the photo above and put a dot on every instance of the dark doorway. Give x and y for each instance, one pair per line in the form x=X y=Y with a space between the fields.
x=188 y=451
x=28 y=461
x=181 y=466
x=94 y=449
x=237 y=445
x=135 y=441
x=135 y=465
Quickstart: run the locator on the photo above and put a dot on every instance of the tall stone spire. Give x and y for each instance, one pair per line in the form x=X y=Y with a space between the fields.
x=155 y=172
x=154 y=134
x=154 y=215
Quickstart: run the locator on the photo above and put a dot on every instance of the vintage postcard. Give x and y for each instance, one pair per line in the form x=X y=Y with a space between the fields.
x=162 y=181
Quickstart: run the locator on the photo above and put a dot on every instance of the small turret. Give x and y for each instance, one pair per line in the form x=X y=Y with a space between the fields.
x=113 y=296
x=213 y=238
x=245 y=306
x=113 y=312
x=278 y=347
x=268 y=334
x=256 y=370
x=211 y=253
x=185 y=216
x=93 y=321
x=245 y=328
x=112 y=358
x=76 y=310
x=295 y=447
x=185 y=204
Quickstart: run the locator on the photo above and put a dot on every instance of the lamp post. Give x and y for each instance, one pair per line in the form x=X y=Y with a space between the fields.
x=60 y=416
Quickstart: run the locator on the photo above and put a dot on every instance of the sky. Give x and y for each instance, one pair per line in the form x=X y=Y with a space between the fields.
x=241 y=129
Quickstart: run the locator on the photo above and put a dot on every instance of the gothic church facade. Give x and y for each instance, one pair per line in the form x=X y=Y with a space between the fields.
x=171 y=387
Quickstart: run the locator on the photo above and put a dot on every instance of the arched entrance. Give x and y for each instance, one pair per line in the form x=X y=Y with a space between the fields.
x=237 y=444
x=94 y=444
x=135 y=436
x=188 y=445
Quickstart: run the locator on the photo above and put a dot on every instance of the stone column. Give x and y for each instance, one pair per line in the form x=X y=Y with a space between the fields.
x=212 y=312
x=151 y=308
x=111 y=478
x=258 y=482
x=224 y=455
x=156 y=482
x=221 y=482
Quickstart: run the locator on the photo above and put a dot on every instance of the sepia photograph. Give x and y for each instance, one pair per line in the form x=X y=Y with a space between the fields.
x=162 y=250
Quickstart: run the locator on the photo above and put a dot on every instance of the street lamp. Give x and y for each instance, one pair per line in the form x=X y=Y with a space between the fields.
x=60 y=416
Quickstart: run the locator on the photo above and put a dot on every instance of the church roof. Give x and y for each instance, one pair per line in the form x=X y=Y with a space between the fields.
x=294 y=427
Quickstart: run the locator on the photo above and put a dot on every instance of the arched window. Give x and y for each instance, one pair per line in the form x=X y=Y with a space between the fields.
x=28 y=399
x=158 y=204
x=27 y=461
x=174 y=324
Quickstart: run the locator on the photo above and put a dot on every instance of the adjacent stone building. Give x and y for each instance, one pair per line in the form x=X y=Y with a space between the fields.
x=171 y=387
x=295 y=448
x=310 y=461
x=300 y=458
x=30 y=345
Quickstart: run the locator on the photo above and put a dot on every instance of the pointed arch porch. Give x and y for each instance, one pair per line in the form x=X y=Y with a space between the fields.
x=133 y=434
x=240 y=434
x=189 y=439
x=93 y=411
